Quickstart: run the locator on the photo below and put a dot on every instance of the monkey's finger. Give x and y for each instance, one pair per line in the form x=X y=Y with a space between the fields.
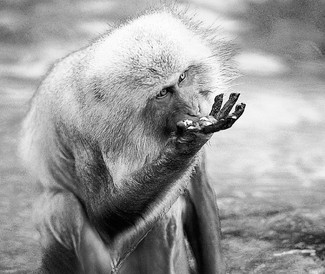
x=226 y=123
x=239 y=110
x=185 y=125
x=220 y=125
x=216 y=105
x=232 y=118
x=189 y=132
x=223 y=113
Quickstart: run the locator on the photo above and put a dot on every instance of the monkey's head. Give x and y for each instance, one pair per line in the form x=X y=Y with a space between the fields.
x=148 y=74
x=125 y=93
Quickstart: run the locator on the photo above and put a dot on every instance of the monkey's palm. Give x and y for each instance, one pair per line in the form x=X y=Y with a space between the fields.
x=194 y=134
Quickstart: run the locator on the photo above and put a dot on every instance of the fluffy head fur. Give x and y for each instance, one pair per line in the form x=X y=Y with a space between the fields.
x=106 y=93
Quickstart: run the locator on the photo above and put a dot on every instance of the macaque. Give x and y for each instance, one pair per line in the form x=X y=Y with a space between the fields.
x=114 y=136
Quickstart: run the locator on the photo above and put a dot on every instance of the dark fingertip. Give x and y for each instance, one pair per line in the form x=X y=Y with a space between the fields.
x=239 y=110
x=218 y=98
x=234 y=96
x=240 y=107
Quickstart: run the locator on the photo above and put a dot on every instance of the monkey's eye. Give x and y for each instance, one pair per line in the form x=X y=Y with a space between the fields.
x=162 y=93
x=182 y=77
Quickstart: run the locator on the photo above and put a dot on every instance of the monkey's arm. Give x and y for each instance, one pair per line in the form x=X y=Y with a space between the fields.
x=71 y=245
x=202 y=224
x=124 y=212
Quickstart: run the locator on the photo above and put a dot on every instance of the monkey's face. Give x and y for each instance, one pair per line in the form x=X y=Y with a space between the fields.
x=185 y=95
x=154 y=72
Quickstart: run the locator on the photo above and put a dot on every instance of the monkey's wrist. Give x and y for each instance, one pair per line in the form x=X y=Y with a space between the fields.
x=185 y=147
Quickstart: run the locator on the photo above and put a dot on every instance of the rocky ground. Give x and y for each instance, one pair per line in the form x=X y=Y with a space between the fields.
x=268 y=170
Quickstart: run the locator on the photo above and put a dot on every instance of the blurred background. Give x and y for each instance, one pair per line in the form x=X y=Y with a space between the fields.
x=268 y=170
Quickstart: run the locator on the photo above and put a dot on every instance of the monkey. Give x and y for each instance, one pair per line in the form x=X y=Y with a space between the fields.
x=115 y=137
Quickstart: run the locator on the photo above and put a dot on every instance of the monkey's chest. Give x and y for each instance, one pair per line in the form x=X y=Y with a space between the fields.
x=164 y=249
x=171 y=225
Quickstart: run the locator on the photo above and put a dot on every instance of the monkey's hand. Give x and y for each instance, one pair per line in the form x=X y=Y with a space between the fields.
x=219 y=119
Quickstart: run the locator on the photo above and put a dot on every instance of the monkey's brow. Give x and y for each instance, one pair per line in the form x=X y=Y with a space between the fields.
x=196 y=68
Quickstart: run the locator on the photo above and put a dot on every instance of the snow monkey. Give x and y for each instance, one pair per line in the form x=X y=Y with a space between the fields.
x=115 y=136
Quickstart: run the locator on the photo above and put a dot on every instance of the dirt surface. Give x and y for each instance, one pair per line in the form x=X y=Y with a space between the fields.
x=271 y=184
x=268 y=170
